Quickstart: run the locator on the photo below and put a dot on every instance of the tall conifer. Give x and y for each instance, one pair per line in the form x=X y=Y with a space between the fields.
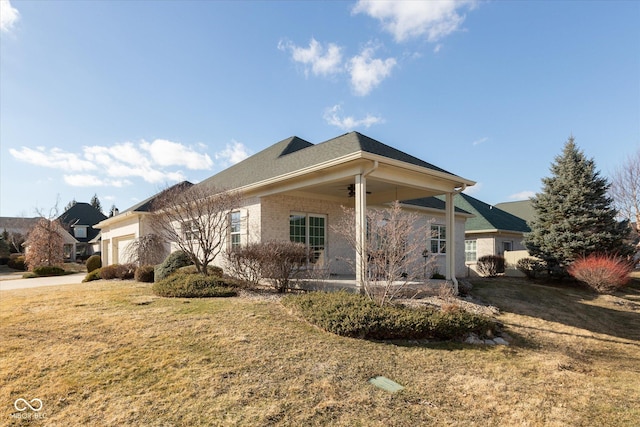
x=574 y=215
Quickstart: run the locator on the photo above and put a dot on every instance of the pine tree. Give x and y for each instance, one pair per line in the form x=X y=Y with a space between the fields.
x=574 y=215
x=95 y=202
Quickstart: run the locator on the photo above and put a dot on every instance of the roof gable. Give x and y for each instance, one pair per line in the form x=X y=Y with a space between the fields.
x=293 y=154
x=145 y=205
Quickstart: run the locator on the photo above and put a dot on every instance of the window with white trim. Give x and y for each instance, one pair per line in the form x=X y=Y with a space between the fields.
x=438 y=239
x=470 y=251
x=234 y=230
x=80 y=231
x=310 y=229
x=507 y=246
x=190 y=230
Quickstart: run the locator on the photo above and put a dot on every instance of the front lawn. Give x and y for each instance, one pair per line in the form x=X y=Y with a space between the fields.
x=112 y=353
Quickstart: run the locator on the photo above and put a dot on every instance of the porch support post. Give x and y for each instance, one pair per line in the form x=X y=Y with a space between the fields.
x=450 y=239
x=361 y=230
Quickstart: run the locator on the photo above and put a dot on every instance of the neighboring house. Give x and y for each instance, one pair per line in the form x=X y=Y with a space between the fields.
x=491 y=231
x=295 y=190
x=79 y=221
x=120 y=230
x=17 y=229
x=521 y=208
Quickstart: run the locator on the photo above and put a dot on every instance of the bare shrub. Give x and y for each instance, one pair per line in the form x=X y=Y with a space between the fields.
x=149 y=249
x=603 y=273
x=393 y=249
x=118 y=271
x=278 y=262
x=491 y=265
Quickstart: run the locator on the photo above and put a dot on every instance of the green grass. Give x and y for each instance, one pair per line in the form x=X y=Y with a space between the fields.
x=112 y=353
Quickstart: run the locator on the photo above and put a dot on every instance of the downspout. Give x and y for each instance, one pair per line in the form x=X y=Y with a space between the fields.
x=453 y=224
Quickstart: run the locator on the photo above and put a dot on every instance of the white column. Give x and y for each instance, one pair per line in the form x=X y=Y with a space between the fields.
x=450 y=256
x=361 y=230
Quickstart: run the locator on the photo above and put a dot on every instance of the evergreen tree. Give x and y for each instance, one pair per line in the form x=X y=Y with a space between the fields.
x=95 y=202
x=574 y=215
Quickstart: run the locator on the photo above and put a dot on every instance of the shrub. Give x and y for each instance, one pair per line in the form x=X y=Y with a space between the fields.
x=184 y=285
x=357 y=316
x=46 y=270
x=279 y=262
x=603 y=273
x=94 y=262
x=94 y=275
x=118 y=271
x=144 y=273
x=531 y=267
x=491 y=265
x=4 y=260
x=174 y=261
x=212 y=270
x=17 y=262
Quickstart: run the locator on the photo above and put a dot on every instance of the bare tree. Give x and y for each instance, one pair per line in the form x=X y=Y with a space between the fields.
x=625 y=189
x=146 y=250
x=395 y=244
x=196 y=219
x=45 y=244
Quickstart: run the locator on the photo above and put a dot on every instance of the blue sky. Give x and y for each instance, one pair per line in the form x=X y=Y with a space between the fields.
x=122 y=98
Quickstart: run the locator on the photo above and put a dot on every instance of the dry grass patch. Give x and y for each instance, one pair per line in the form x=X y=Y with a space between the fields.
x=110 y=353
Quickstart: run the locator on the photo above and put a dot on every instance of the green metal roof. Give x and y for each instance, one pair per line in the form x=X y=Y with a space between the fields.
x=293 y=154
x=487 y=217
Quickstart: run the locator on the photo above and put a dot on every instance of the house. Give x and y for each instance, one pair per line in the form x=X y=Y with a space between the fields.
x=118 y=231
x=79 y=221
x=295 y=190
x=491 y=230
x=521 y=208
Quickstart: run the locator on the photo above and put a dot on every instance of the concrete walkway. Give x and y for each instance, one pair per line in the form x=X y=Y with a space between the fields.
x=15 y=281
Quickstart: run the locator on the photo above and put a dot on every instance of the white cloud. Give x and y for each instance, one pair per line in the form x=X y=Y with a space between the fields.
x=154 y=162
x=523 y=195
x=9 y=15
x=434 y=19
x=480 y=141
x=367 y=72
x=233 y=153
x=332 y=117
x=84 y=180
x=168 y=153
x=54 y=158
x=322 y=61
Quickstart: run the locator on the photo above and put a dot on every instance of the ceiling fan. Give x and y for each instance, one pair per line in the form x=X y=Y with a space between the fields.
x=351 y=188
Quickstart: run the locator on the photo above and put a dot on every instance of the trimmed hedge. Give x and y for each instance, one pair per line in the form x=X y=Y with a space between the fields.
x=94 y=275
x=144 y=273
x=47 y=270
x=212 y=269
x=184 y=285
x=357 y=316
x=94 y=262
x=118 y=271
x=17 y=262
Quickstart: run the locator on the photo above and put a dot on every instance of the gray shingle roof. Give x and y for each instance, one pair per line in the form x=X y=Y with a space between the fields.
x=294 y=154
x=83 y=214
x=145 y=205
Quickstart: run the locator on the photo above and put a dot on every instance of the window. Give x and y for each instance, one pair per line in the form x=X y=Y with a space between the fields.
x=80 y=231
x=438 y=239
x=507 y=246
x=190 y=230
x=311 y=230
x=470 y=251
x=235 y=228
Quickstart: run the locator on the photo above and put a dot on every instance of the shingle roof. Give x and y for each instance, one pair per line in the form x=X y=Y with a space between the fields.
x=432 y=203
x=83 y=214
x=17 y=224
x=145 y=205
x=488 y=217
x=522 y=209
x=292 y=154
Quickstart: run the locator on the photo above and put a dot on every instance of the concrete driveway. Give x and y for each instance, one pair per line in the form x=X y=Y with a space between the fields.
x=15 y=281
